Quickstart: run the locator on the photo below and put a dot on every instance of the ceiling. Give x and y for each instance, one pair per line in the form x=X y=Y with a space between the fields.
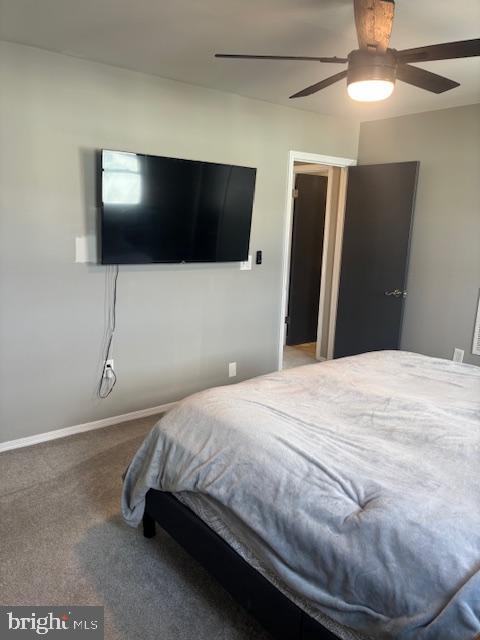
x=177 y=39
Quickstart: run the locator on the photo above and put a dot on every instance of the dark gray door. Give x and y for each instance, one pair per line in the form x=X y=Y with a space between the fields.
x=306 y=258
x=378 y=218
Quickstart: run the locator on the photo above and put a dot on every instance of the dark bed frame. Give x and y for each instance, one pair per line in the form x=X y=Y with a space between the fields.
x=277 y=614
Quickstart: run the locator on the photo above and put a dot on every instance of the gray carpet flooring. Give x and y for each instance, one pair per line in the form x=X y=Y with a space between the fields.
x=63 y=542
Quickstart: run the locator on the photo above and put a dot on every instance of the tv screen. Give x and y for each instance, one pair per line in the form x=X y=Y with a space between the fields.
x=157 y=209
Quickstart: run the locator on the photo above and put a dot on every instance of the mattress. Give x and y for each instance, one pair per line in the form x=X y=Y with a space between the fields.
x=355 y=483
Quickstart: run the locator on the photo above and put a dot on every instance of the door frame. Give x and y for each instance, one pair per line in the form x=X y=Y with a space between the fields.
x=310 y=158
x=304 y=169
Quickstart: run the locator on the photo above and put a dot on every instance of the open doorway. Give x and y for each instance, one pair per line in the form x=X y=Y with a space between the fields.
x=315 y=201
x=306 y=252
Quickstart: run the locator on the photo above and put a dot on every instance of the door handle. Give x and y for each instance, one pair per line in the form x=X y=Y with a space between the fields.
x=396 y=293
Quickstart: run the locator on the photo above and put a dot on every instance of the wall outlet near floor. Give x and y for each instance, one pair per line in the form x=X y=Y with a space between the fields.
x=232 y=369
x=458 y=355
x=108 y=369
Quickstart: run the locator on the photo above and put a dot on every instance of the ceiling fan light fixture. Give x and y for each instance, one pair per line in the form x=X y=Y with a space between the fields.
x=370 y=90
x=371 y=77
x=374 y=67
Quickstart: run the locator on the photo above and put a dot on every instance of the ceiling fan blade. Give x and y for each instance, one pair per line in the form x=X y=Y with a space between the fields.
x=446 y=51
x=374 y=21
x=320 y=85
x=243 y=56
x=424 y=79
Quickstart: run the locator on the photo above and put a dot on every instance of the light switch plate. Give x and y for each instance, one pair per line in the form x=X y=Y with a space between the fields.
x=246 y=265
x=85 y=249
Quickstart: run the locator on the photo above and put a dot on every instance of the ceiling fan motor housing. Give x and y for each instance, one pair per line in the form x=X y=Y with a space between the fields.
x=364 y=65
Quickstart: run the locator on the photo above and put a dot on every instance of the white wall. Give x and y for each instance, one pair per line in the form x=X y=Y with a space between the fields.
x=444 y=274
x=178 y=326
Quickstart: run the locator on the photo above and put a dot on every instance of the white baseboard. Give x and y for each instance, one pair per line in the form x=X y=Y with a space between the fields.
x=81 y=428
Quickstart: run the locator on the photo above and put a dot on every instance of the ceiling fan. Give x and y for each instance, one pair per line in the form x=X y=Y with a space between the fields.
x=373 y=67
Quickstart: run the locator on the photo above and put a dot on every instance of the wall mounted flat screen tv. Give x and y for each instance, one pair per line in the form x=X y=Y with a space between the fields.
x=156 y=209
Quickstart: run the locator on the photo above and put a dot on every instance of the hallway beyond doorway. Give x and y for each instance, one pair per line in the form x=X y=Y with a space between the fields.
x=298 y=355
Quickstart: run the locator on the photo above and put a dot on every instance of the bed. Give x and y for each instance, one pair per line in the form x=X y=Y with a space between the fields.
x=351 y=488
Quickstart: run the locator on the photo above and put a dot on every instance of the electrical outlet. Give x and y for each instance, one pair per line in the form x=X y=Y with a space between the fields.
x=232 y=369
x=458 y=355
x=108 y=369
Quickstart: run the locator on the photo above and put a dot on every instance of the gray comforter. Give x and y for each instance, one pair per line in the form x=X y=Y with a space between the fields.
x=355 y=481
